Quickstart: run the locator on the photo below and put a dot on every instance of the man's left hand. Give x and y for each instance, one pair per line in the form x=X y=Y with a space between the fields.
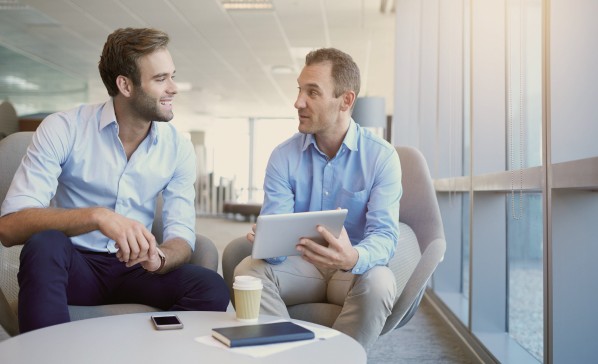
x=339 y=254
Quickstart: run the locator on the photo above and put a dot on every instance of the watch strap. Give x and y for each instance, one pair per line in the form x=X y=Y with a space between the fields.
x=162 y=262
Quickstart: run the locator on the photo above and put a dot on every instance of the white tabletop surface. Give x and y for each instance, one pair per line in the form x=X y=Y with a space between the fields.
x=132 y=339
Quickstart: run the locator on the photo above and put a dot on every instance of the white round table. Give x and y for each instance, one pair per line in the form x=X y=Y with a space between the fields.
x=132 y=338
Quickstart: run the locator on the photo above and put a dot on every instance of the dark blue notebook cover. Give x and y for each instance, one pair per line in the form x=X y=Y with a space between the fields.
x=261 y=334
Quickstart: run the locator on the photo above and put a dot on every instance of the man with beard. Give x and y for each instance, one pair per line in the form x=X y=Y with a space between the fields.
x=104 y=166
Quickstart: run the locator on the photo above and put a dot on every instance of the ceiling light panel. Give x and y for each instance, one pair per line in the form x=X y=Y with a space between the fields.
x=247 y=4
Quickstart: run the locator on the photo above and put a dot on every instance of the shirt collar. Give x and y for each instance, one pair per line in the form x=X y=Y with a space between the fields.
x=153 y=135
x=108 y=117
x=350 y=140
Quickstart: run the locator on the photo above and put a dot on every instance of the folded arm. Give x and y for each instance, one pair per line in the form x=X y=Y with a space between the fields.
x=17 y=227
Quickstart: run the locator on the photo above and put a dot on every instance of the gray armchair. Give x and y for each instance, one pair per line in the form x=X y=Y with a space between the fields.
x=420 y=248
x=12 y=150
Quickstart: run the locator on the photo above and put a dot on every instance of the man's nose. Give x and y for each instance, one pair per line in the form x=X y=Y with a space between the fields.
x=172 y=87
x=300 y=102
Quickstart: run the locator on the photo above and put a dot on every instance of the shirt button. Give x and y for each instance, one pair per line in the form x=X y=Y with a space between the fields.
x=326 y=193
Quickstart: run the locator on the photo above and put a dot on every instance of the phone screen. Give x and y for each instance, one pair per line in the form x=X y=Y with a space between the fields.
x=167 y=322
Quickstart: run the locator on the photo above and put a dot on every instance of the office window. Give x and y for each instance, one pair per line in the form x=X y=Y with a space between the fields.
x=224 y=162
x=525 y=284
x=234 y=159
x=35 y=87
x=268 y=133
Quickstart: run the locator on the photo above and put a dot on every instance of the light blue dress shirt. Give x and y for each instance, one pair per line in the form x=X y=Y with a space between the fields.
x=364 y=177
x=76 y=159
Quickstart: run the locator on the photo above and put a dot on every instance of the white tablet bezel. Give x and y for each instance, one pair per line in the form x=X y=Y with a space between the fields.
x=278 y=235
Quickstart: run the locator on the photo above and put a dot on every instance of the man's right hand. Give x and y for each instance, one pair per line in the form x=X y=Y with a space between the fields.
x=134 y=241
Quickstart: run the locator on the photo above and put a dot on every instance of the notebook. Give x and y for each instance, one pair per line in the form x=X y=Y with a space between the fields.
x=260 y=334
x=278 y=235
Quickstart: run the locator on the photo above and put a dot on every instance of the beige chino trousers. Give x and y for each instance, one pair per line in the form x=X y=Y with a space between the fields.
x=366 y=299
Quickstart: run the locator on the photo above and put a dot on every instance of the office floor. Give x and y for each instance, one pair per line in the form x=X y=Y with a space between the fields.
x=425 y=339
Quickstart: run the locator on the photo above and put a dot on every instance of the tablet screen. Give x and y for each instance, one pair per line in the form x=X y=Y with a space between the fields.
x=278 y=235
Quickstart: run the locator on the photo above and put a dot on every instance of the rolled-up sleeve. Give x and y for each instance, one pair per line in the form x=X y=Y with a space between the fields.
x=35 y=181
x=179 y=196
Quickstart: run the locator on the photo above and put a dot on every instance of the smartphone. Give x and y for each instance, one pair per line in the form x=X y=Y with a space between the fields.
x=168 y=322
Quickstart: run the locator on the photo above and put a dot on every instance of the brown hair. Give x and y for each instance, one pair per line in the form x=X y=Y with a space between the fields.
x=122 y=50
x=345 y=72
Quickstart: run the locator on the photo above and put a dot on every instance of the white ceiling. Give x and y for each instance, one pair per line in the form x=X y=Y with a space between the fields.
x=227 y=56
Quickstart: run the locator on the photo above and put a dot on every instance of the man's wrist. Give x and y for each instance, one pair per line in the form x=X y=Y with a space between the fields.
x=162 y=262
x=356 y=257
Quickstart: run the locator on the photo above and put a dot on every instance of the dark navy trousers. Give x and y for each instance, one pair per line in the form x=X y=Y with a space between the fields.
x=54 y=274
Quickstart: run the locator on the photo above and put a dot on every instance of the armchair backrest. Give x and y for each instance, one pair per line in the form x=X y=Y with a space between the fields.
x=420 y=211
x=419 y=206
x=12 y=150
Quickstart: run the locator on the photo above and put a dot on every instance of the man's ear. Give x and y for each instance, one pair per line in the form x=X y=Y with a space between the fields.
x=125 y=85
x=348 y=100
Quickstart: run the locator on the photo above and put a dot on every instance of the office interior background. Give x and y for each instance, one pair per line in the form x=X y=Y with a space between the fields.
x=499 y=95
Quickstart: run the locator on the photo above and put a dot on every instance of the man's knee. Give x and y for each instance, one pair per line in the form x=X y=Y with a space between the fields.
x=220 y=292
x=378 y=282
x=207 y=291
x=45 y=246
x=250 y=266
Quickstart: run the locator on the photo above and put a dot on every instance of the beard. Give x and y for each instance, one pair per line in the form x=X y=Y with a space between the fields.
x=148 y=107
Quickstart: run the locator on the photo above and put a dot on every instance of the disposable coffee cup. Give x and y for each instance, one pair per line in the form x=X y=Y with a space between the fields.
x=248 y=292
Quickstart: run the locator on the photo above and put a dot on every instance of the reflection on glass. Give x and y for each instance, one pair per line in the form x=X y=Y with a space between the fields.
x=524 y=246
x=465 y=253
x=524 y=82
x=466 y=88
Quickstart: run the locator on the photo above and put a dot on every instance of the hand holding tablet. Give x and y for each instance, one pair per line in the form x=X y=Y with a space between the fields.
x=278 y=235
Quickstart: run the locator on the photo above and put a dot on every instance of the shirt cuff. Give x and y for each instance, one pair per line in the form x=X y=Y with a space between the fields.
x=362 y=262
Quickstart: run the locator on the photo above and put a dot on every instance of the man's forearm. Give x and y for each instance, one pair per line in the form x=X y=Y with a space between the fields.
x=17 y=227
x=177 y=251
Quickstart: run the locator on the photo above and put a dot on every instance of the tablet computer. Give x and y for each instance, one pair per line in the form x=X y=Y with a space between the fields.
x=278 y=235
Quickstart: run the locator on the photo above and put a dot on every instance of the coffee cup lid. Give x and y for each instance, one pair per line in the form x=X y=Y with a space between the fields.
x=247 y=282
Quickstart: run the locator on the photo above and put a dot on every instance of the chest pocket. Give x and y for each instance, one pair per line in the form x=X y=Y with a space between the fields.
x=356 y=203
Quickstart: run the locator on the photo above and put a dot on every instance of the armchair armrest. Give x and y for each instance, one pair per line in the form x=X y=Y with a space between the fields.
x=205 y=253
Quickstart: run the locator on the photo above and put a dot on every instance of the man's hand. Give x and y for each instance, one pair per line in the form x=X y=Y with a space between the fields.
x=251 y=234
x=152 y=264
x=339 y=254
x=134 y=241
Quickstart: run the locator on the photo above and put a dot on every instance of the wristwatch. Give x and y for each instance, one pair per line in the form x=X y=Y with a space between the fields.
x=162 y=261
